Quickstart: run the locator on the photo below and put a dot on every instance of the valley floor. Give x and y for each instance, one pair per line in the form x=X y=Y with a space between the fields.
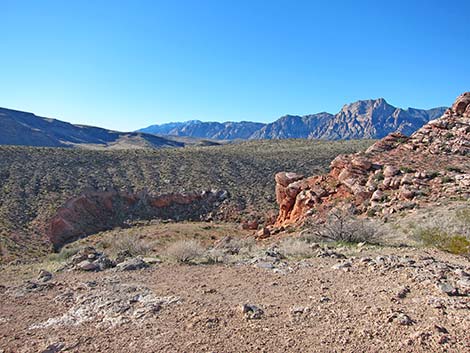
x=375 y=300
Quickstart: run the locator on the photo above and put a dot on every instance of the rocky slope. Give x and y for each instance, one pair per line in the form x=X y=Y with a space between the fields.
x=209 y=130
x=394 y=174
x=26 y=129
x=95 y=211
x=362 y=119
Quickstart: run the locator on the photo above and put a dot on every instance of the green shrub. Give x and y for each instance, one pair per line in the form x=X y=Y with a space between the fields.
x=438 y=238
x=447 y=179
x=64 y=254
x=379 y=176
x=407 y=170
x=454 y=169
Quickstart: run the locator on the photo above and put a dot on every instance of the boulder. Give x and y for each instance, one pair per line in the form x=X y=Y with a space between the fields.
x=390 y=171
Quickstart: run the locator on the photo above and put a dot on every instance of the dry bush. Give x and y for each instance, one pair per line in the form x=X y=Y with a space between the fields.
x=216 y=256
x=64 y=254
x=294 y=247
x=185 y=251
x=229 y=248
x=235 y=246
x=342 y=226
x=131 y=245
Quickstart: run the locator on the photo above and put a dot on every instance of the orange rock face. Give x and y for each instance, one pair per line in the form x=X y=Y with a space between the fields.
x=96 y=211
x=396 y=173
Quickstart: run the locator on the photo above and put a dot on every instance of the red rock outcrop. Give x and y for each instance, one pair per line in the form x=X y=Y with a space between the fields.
x=396 y=173
x=95 y=211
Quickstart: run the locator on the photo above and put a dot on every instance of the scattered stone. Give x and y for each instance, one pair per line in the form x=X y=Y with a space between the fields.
x=342 y=266
x=133 y=264
x=380 y=260
x=152 y=260
x=265 y=265
x=252 y=312
x=87 y=265
x=330 y=253
x=464 y=282
x=54 y=348
x=110 y=304
x=401 y=319
x=44 y=276
x=122 y=256
x=447 y=288
x=324 y=299
x=296 y=310
x=441 y=329
x=403 y=292
x=263 y=233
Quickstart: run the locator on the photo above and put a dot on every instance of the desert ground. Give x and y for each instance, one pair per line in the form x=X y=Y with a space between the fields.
x=276 y=295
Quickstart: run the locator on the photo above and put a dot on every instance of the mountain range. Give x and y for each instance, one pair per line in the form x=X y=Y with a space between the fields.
x=373 y=118
x=362 y=119
x=27 y=129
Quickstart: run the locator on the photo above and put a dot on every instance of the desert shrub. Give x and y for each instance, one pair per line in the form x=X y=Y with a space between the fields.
x=294 y=247
x=379 y=176
x=405 y=169
x=447 y=179
x=130 y=244
x=216 y=256
x=454 y=169
x=236 y=246
x=441 y=239
x=433 y=174
x=463 y=216
x=342 y=226
x=64 y=254
x=185 y=251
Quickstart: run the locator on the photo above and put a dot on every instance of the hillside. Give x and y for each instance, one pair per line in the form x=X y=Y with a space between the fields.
x=36 y=182
x=26 y=129
x=397 y=173
x=373 y=118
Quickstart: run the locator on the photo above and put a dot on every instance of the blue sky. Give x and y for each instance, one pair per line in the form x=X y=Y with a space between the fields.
x=128 y=64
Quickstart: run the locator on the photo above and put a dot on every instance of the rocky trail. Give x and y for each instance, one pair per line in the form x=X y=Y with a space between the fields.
x=364 y=299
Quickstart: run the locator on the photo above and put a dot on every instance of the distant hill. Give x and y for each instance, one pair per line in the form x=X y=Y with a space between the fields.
x=27 y=129
x=373 y=118
x=209 y=130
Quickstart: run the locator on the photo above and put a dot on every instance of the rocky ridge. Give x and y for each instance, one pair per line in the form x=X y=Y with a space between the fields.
x=394 y=174
x=95 y=211
x=373 y=118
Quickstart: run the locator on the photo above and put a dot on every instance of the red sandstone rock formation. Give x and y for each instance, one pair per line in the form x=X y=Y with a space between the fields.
x=396 y=173
x=96 y=211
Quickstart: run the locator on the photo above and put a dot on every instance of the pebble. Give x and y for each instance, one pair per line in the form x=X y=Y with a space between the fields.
x=44 y=276
x=342 y=266
x=447 y=288
x=252 y=312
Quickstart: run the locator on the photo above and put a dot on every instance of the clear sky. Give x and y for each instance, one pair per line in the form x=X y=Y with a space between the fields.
x=128 y=64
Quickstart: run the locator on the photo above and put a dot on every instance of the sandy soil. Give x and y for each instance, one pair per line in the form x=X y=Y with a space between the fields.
x=392 y=305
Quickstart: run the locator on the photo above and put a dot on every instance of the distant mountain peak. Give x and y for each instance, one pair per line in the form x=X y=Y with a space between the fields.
x=369 y=118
